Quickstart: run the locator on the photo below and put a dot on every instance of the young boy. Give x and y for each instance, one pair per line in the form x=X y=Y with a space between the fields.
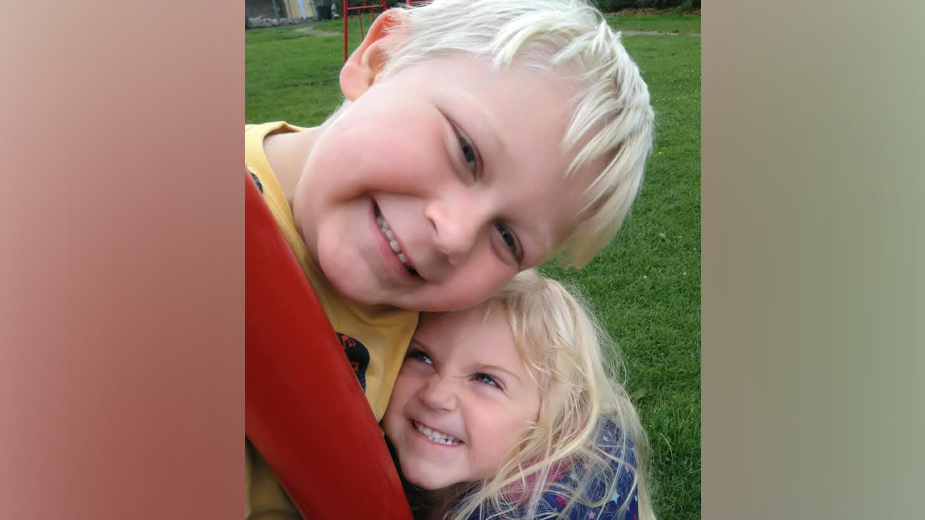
x=478 y=139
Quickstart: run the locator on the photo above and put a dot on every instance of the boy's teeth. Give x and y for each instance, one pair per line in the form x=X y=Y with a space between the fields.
x=384 y=227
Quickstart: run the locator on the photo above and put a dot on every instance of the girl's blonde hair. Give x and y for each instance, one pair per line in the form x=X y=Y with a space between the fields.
x=612 y=119
x=587 y=424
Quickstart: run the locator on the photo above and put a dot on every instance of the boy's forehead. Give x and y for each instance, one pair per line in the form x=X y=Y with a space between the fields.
x=507 y=105
x=482 y=79
x=488 y=117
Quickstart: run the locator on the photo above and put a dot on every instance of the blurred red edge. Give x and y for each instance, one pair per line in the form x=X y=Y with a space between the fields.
x=303 y=409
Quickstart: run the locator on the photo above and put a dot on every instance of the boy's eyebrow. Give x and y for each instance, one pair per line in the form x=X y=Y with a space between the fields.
x=490 y=120
x=541 y=238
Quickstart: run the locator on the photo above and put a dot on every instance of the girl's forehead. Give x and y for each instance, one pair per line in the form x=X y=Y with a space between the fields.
x=481 y=335
x=459 y=325
x=477 y=330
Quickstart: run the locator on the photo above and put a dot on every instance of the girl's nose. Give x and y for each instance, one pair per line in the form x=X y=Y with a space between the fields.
x=439 y=393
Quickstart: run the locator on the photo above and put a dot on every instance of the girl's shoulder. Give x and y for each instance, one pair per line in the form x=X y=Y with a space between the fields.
x=602 y=488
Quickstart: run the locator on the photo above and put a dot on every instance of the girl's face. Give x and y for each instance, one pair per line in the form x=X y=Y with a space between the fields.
x=462 y=401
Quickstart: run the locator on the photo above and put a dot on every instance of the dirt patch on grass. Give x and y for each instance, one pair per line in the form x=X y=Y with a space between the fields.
x=652 y=10
x=656 y=33
x=316 y=32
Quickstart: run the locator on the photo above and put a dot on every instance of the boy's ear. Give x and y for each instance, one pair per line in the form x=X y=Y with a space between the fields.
x=364 y=65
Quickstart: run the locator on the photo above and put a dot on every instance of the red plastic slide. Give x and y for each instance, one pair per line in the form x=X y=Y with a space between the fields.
x=303 y=408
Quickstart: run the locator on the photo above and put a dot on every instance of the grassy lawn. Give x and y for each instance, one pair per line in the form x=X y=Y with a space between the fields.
x=666 y=22
x=338 y=25
x=645 y=286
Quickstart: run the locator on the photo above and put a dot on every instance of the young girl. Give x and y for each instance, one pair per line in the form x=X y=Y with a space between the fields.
x=505 y=410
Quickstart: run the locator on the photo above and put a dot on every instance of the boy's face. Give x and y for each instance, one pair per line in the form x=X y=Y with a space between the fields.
x=462 y=400
x=438 y=184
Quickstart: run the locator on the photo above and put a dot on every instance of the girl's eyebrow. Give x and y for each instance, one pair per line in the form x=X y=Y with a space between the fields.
x=500 y=369
x=418 y=342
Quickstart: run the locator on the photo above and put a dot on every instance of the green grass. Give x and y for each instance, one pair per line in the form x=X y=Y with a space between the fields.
x=338 y=25
x=645 y=286
x=291 y=75
x=664 y=22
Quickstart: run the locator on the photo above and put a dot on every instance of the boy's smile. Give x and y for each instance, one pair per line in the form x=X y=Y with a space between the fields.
x=438 y=184
x=390 y=246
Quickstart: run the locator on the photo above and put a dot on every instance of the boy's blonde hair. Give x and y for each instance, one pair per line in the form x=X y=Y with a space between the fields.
x=612 y=120
x=586 y=419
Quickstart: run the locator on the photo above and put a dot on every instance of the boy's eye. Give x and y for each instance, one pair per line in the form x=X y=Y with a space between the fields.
x=469 y=155
x=510 y=241
x=487 y=379
x=420 y=356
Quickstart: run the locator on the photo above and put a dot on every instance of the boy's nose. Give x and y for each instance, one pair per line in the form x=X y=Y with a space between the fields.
x=439 y=394
x=456 y=225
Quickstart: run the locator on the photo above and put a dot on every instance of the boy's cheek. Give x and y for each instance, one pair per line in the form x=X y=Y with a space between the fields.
x=468 y=293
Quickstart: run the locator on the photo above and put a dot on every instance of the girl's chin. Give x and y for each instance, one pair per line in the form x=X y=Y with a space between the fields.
x=426 y=484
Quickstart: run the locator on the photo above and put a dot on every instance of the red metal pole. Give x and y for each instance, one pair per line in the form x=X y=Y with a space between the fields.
x=345 y=13
x=359 y=9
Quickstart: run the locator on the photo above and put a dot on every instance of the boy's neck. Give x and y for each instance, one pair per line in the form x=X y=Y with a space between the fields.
x=287 y=153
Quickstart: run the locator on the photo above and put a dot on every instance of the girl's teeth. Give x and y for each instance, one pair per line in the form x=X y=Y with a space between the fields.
x=435 y=435
x=394 y=246
x=388 y=233
x=401 y=256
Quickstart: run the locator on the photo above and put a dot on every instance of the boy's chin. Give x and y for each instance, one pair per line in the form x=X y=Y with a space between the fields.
x=354 y=289
x=367 y=296
x=362 y=297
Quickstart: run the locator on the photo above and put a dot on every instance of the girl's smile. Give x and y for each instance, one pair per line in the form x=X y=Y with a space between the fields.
x=435 y=436
x=462 y=401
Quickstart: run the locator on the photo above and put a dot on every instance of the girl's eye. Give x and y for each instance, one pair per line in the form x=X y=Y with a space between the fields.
x=469 y=155
x=486 y=379
x=420 y=356
x=510 y=241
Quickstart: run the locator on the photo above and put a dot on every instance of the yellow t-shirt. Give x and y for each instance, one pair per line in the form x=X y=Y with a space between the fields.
x=380 y=336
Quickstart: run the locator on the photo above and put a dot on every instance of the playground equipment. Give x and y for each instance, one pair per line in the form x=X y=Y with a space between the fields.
x=303 y=409
x=360 y=9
